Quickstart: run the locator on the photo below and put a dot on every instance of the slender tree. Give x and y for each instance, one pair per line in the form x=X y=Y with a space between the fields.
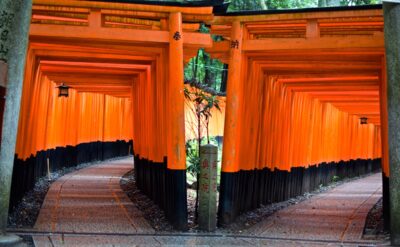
x=202 y=105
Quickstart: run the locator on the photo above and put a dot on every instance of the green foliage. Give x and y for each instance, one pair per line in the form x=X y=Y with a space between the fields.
x=358 y=2
x=237 y=5
x=192 y=158
x=335 y=179
x=205 y=70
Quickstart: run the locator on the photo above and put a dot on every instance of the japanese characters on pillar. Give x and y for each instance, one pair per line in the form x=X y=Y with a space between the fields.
x=3 y=81
x=208 y=188
x=229 y=162
x=5 y=25
x=3 y=74
x=176 y=127
x=6 y=20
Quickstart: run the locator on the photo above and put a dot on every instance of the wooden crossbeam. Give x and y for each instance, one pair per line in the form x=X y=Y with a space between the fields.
x=119 y=35
x=124 y=6
x=298 y=16
x=374 y=41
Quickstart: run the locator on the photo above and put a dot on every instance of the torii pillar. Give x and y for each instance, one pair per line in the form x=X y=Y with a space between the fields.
x=392 y=44
x=228 y=200
x=176 y=163
x=15 y=16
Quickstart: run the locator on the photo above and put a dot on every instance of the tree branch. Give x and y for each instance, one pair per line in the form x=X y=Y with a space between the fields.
x=205 y=88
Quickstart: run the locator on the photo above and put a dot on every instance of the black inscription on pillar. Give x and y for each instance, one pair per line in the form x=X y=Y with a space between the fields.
x=235 y=44
x=4 y=35
x=6 y=20
x=3 y=52
x=177 y=36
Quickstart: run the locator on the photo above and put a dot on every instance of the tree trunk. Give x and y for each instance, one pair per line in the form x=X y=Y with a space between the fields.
x=196 y=60
x=209 y=73
x=196 y=212
x=212 y=80
x=263 y=4
x=333 y=3
x=208 y=130
x=321 y=3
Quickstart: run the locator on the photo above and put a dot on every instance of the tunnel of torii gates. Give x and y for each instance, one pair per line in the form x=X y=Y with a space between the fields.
x=299 y=81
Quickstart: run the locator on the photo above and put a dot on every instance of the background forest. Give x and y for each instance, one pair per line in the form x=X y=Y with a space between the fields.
x=238 y=5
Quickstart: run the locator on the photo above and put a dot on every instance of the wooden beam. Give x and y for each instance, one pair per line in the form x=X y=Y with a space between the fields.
x=70 y=53
x=124 y=6
x=219 y=47
x=197 y=39
x=375 y=41
x=333 y=88
x=298 y=16
x=103 y=34
x=102 y=66
x=94 y=80
x=115 y=34
x=312 y=30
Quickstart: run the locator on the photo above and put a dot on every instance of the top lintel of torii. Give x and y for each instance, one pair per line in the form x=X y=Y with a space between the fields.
x=110 y=20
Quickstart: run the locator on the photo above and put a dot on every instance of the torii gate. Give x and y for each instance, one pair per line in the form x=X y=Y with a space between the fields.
x=296 y=60
x=286 y=62
x=123 y=50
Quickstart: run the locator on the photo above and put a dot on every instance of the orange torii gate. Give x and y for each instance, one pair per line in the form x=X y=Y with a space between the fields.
x=298 y=83
x=124 y=64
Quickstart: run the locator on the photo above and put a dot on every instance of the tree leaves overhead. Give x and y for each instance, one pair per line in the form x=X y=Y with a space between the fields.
x=205 y=70
x=238 y=5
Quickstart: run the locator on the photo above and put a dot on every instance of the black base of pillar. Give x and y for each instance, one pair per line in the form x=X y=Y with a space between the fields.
x=166 y=187
x=27 y=172
x=176 y=206
x=386 y=202
x=246 y=190
x=228 y=198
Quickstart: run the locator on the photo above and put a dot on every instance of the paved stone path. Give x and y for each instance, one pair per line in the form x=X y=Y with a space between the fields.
x=187 y=240
x=338 y=214
x=91 y=200
x=91 y=209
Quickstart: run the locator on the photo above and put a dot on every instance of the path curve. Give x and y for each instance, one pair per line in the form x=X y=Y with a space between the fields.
x=91 y=200
x=91 y=204
x=338 y=214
